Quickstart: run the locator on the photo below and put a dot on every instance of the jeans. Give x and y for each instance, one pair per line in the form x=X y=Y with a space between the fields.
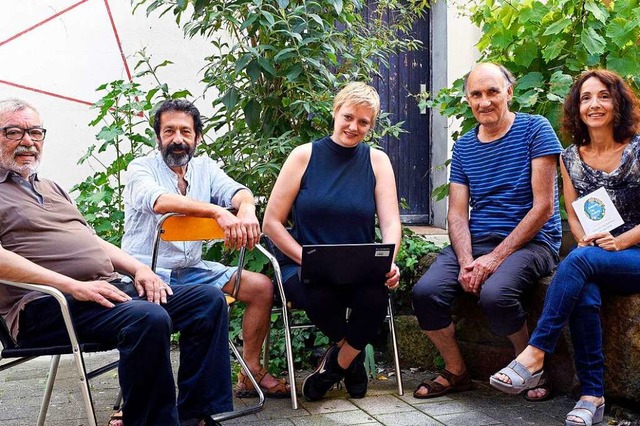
x=217 y=277
x=141 y=331
x=435 y=292
x=574 y=296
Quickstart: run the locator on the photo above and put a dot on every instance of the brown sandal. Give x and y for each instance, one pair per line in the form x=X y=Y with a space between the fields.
x=115 y=418
x=456 y=384
x=245 y=388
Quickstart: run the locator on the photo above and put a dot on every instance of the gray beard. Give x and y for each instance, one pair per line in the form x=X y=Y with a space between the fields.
x=13 y=166
x=176 y=160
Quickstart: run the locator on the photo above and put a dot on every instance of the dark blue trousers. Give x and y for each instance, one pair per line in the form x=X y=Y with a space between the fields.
x=141 y=331
x=500 y=295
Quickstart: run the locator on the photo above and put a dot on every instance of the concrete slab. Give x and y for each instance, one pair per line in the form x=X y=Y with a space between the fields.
x=21 y=391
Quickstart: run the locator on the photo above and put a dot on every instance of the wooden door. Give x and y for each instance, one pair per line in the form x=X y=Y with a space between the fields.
x=409 y=74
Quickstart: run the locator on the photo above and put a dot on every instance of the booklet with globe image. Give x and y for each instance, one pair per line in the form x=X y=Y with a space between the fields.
x=596 y=212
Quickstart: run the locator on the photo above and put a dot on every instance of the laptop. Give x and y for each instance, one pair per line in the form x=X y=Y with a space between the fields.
x=346 y=264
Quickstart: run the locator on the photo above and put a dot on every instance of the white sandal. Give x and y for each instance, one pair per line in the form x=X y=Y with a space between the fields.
x=588 y=412
x=521 y=379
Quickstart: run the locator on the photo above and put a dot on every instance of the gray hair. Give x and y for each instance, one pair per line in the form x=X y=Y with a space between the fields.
x=509 y=79
x=13 y=105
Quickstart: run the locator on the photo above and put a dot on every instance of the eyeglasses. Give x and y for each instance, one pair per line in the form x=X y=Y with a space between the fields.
x=36 y=134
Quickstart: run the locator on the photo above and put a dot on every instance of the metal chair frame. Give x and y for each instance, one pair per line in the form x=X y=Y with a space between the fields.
x=179 y=227
x=285 y=309
x=24 y=354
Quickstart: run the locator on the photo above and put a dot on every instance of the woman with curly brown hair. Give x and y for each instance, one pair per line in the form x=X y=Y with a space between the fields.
x=601 y=117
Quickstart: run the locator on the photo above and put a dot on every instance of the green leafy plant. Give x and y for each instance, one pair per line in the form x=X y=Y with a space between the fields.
x=277 y=66
x=123 y=114
x=412 y=250
x=303 y=340
x=546 y=44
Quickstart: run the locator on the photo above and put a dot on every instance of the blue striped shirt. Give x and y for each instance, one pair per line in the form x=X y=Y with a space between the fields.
x=498 y=175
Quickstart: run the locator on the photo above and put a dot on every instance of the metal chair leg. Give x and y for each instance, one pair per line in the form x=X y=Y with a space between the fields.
x=289 y=350
x=249 y=410
x=394 y=343
x=84 y=387
x=285 y=323
x=118 y=403
x=266 y=346
x=44 y=405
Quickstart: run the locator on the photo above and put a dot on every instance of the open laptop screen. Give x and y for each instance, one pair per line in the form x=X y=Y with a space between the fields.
x=346 y=264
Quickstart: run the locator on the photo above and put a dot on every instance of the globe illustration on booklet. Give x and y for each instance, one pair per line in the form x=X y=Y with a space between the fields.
x=594 y=209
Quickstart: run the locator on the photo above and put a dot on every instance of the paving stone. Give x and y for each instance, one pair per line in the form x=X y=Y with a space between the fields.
x=328 y=406
x=410 y=418
x=22 y=387
x=524 y=417
x=355 y=417
x=248 y=422
x=467 y=418
x=382 y=404
x=444 y=407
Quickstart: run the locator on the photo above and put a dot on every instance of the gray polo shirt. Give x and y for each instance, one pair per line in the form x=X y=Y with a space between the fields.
x=39 y=222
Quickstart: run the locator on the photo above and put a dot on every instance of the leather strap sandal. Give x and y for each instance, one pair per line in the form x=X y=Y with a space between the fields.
x=456 y=384
x=116 y=418
x=245 y=389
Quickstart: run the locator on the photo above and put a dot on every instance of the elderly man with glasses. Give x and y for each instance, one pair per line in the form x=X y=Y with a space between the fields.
x=45 y=240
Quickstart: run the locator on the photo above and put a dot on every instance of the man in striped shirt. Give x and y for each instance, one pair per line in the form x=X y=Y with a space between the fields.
x=504 y=225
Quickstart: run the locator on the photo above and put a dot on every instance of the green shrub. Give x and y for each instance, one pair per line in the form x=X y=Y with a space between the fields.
x=546 y=44
x=125 y=134
x=276 y=72
x=413 y=248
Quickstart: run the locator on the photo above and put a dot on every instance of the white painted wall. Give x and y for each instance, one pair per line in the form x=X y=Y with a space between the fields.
x=74 y=53
x=453 y=54
x=462 y=37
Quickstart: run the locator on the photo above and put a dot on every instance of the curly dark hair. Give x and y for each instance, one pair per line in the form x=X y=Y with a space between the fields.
x=626 y=108
x=180 y=105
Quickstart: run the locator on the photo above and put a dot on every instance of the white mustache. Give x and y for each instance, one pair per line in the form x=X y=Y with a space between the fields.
x=25 y=149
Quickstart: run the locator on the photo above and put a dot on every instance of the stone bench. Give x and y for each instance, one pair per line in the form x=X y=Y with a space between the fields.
x=486 y=353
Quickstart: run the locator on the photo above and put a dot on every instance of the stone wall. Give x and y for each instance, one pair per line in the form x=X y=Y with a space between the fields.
x=486 y=353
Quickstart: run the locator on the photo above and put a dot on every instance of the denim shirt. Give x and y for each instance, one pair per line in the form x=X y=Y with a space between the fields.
x=148 y=178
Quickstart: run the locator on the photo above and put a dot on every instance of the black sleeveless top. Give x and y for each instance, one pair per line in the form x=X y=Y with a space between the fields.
x=336 y=203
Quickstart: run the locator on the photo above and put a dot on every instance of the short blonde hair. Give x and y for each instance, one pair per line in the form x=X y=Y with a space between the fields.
x=358 y=93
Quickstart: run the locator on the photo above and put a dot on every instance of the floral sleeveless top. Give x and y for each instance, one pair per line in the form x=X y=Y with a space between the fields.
x=622 y=184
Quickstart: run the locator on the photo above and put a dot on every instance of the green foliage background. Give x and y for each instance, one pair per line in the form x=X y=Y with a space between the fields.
x=546 y=44
x=276 y=65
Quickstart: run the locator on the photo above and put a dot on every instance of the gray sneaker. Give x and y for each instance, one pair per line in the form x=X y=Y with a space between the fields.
x=328 y=373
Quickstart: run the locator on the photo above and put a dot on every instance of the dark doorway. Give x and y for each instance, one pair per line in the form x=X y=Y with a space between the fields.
x=408 y=75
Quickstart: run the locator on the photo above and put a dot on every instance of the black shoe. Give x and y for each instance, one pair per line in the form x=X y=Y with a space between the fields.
x=356 y=379
x=328 y=373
